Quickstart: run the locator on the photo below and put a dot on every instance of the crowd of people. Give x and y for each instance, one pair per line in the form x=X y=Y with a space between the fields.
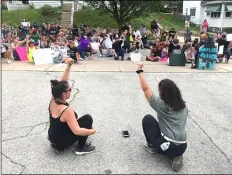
x=78 y=41
x=167 y=135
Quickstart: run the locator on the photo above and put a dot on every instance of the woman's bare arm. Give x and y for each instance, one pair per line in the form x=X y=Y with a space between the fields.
x=65 y=76
x=74 y=126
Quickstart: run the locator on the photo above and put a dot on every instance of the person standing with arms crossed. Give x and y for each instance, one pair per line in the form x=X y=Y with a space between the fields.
x=167 y=135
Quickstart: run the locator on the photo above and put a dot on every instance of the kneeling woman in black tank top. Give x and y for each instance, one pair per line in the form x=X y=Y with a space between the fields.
x=65 y=127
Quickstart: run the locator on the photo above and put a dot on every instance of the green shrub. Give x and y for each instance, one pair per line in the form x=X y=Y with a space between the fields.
x=3 y=8
x=47 y=10
x=32 y=15
x=31 y=6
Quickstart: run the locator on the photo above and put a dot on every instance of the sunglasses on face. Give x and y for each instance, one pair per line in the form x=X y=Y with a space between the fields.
x=70 y=89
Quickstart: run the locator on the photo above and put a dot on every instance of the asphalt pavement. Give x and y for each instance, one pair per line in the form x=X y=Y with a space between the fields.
x=116 y=102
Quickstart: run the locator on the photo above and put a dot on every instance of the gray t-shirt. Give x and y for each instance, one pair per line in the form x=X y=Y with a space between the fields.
x=172 y=123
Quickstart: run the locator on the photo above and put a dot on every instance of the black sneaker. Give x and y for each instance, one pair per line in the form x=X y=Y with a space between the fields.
x=86 y=150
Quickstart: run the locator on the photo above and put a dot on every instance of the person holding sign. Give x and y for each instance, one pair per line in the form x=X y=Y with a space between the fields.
x=167 y=135
x=30 y=49
x=65 y=126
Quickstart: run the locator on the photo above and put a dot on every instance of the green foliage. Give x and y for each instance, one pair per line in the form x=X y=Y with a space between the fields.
x=47 y=10
x=14 y=18
x=3 y=8
x=31 y=6
x=126 y=10
x=95 y=18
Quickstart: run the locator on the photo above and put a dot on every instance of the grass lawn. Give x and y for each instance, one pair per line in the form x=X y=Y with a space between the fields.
x=14 y=18
x=93 y=18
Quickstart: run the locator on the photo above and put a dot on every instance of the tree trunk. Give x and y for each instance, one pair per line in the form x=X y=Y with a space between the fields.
x=61 y=3
x=120 y=24
x=119 y=27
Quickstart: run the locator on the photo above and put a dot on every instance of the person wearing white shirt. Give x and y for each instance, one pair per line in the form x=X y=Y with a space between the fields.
x=5 y=53
x=137 y=33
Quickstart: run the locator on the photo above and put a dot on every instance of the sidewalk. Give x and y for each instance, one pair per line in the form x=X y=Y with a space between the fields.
x=99 y=65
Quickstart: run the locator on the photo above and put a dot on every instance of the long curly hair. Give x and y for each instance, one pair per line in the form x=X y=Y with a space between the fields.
x=171 y=95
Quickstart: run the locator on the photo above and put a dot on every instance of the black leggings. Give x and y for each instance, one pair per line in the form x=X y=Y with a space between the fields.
x=153 y=136
x=84 y=122
x=126 y=47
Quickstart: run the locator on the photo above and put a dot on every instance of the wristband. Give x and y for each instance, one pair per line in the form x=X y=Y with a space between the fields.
x=139 y=71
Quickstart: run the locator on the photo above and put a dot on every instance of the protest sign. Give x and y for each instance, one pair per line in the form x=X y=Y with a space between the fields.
x=229 y=37
x=42 y=56
x=135 y=56
x=22 y=53
x=57 y=54
x=207 y=55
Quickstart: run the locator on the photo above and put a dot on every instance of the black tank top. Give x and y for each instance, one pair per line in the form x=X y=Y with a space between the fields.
x=59 y=132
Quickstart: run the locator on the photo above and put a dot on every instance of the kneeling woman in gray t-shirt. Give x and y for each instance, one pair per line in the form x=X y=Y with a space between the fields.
x=167 y=135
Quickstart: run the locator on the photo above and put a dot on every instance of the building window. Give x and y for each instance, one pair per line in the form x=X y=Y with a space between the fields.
x=208 y=14
x=215 y=14
x=192 y=12
x=228 y=14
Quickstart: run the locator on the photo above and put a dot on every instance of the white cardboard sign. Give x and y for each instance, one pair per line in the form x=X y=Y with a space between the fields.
x=229 y=37
x=42 y=56
x=135 y=56
x=221 y=49
x=95 y=46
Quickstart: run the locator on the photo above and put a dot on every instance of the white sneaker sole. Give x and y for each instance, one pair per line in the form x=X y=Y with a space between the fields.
x=148 y=149
x=82 y=153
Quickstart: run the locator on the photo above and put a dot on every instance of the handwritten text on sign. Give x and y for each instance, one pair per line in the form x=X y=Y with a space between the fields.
x=207 y=58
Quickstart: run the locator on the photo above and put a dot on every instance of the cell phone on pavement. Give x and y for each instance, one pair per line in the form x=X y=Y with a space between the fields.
x=125 y=134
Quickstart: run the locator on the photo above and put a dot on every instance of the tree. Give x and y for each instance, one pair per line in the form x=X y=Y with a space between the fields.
x=124 y=11
x=175 y=5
